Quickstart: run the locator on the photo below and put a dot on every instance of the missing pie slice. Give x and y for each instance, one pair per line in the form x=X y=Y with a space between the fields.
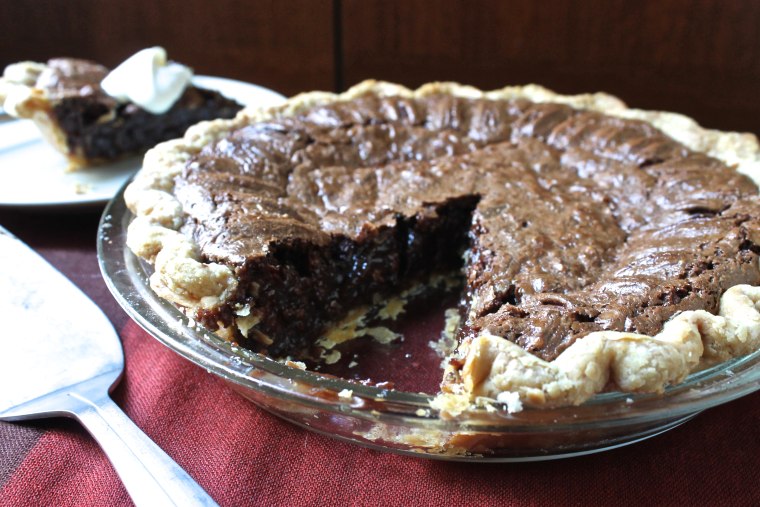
x=65 y=99
x=602 y=247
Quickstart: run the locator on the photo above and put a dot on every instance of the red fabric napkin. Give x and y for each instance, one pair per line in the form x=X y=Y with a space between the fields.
x=242 y=455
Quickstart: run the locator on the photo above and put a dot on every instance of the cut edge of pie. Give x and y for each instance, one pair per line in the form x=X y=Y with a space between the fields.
x=494 y=368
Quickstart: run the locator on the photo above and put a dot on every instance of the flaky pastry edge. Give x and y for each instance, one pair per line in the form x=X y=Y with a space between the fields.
x=20 y=98
x=494 y=368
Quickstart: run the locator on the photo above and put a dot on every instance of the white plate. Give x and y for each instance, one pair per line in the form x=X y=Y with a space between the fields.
x=33 y=173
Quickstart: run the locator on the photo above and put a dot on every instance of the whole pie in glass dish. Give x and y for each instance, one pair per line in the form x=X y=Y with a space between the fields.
x=601 y=247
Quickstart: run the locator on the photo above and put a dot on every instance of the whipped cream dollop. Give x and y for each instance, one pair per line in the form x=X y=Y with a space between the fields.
x=149 y=80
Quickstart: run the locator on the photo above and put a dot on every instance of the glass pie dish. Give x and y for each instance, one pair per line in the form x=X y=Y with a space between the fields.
x=401 y=419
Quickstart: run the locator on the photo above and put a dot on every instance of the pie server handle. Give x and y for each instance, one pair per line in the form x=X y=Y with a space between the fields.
x=150 y=476
x=72 y=373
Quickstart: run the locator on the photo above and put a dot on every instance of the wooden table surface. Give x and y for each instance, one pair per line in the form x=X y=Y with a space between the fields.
x=698 y=57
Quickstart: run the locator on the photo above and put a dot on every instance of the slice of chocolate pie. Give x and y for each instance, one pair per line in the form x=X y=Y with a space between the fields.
x=602 y=247
x=75 y=114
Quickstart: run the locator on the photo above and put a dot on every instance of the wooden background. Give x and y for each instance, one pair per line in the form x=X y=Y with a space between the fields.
x=699 y=57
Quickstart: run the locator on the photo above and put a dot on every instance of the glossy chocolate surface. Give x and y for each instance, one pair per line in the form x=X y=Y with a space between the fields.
x=571 y=221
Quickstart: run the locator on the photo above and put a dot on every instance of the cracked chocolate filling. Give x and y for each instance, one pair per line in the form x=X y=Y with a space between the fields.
x=563 y=221
x=98 y=127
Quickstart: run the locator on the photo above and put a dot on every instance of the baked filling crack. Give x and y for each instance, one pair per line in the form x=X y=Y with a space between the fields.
x=601 y=247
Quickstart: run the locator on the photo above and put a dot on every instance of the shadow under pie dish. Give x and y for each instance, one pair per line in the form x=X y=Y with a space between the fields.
x=603 y=248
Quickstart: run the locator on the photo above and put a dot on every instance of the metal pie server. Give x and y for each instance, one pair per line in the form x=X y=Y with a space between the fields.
x=59 y=356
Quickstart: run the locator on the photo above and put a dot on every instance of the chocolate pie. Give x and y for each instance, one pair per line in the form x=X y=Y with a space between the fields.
x=65 y=99
x=602 y=248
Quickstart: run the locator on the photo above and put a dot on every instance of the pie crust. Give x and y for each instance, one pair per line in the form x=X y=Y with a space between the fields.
x=494 y=369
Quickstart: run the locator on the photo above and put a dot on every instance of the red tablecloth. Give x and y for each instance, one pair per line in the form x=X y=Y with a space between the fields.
x=242 y=455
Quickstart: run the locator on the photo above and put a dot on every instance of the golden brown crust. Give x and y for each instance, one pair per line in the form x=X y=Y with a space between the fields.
x=17 y=83
x=494 y=368
x=20 y=98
